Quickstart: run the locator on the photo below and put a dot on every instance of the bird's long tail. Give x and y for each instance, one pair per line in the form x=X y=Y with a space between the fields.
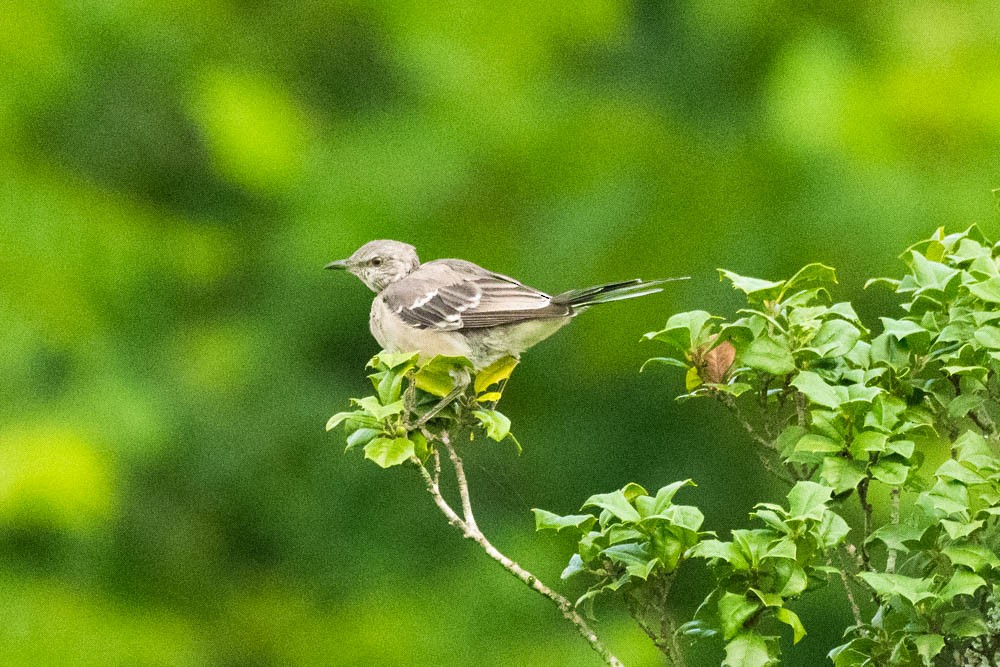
x=629 y=289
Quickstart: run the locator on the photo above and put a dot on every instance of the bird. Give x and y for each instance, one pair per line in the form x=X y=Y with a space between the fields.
x=452 y=307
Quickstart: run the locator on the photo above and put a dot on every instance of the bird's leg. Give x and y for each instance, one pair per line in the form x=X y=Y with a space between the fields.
x=462 y=381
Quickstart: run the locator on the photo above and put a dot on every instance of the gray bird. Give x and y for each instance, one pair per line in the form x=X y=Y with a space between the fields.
x=455 y=308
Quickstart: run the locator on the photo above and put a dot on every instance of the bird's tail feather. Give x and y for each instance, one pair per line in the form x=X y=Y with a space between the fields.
x=629 y=289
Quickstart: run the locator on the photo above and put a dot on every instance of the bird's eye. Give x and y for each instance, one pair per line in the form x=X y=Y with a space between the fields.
x=376 y=261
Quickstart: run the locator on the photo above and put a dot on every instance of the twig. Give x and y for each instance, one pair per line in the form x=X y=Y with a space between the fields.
x=667 y=629
x=867 y=507
x=890 y=560
x=471 y=531
x=781 y=474
x=855 y=609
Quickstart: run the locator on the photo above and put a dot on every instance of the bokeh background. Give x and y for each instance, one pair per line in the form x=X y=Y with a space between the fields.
x=175 y=173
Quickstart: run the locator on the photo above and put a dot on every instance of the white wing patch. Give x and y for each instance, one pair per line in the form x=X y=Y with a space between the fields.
x=423 y=300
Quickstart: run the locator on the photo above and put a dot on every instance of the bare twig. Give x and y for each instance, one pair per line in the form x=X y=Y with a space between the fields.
x=471 y=531
x=845 y=580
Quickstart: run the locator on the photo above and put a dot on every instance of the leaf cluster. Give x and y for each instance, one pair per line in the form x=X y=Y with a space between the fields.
x=415 y=404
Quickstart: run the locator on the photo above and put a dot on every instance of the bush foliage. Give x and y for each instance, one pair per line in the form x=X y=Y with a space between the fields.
x=901 y=415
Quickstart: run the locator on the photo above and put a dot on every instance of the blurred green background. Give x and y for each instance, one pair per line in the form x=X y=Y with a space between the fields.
x=175 y=173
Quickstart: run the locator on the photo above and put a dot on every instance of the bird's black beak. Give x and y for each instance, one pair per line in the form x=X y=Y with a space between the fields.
x=339 y=265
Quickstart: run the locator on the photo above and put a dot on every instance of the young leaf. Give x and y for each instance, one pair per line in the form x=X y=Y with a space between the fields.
x=389 y=452
x=748 y=649
x=497 y=425
x=768 y=355
x=545 y=520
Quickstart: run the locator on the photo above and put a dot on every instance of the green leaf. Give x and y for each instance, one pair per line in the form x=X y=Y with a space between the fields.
x=818 y=444
x=575 y=566
x=832 y=530
x=887 y=585
x=684 y=331
x=768 y=355
x=665 y=361
x=902 y=329
x=896 y=536
x=752 y=287
x=734 y=611
x=807 y=500
x=497 y=425
x=360 y=437
x=817 y=390
x=965 y=623
x=439 y=375
x=389 y=452
x=494 y=374
x=987 y=290
x=371 y=405
x=340 y=418
x=953 y=470
x=748 y=649
x=928 y=647
x=972 y=556
x=726 y=551
x=958 y=529
x=973 y=449
x=666 y=494
x=791 y=619
x=636 y=558
x=809 y=274
x=616 y=503
x=545 y=520
x=889 y=470
x=962 y=582
x=835 y=338
x=394 y=360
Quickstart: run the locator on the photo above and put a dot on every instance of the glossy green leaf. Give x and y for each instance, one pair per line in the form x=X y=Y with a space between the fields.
x=913 y=589
x=616 y=503
x=817 y=390
x=973 y=556
x=440 y=375
x=965 y=623
x=808 y=500
x=545 y=520
x=734 y=611
x=497 y=425
x=890 y=470
x=494 y=374
x=962 y=582
x=791 y=619
x=748 y=649
x=389 y=452
x=757 y=288
x=768 y=355
x=928 y=647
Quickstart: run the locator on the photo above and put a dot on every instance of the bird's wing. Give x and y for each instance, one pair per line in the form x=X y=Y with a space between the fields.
x=451 y=294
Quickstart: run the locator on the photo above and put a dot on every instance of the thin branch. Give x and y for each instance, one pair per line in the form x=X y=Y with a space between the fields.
x=667 y=627
x=890 y=561
x=867 y=508
x=768 y=445
x=844 y=579
x=463 y=484
x=471 y=531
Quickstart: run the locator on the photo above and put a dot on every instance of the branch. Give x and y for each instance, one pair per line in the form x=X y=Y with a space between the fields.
x=781 y=474
x=471 y=531
x=846 y=581
x=890 y=561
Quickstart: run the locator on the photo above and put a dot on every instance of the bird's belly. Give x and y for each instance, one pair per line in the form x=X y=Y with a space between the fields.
x=395 y=335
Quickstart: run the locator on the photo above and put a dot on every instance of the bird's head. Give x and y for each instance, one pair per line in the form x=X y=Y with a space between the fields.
x=380 y=263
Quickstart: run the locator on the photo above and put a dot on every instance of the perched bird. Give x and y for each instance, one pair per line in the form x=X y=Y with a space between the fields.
x=455 y=308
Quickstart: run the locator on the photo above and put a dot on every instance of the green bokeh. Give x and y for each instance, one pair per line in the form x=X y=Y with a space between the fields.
x=176 y=174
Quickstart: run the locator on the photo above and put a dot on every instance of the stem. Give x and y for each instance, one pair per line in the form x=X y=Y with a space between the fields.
x=890 y=561
x=471 y=531
x=667 y=629
x=867 y=507
x=846 y=581
x=781 y=474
